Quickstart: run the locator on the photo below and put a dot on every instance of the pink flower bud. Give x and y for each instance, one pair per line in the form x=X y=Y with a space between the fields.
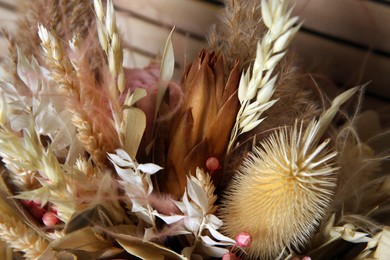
x=306 y=258
x=212 y=164
x=230 y=256
x=244 y=239
x=50 y=219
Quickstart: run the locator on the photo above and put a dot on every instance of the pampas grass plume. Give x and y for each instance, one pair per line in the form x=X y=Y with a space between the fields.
x=281 y=191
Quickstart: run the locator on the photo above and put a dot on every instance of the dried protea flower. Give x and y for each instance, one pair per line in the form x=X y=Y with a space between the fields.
x=203 y=124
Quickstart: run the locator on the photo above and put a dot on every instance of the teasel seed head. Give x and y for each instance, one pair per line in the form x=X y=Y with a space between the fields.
x=282 y=191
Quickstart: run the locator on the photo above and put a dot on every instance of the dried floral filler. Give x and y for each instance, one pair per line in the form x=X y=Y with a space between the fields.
x=245 y=157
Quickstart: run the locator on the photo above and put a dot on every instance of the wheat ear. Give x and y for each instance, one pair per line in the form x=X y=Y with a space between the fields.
x=257 y=86
x=22 y=238
x=111 y=43
x=96 y=141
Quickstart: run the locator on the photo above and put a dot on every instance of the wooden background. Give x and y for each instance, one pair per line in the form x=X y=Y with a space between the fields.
x=348 y=41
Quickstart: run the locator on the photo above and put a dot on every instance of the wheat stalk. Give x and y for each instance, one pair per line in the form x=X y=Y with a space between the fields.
x=204 y=181
x=96 y=141
x=111 y=43
x=27 y=153
x=22 y=238
x=258 y=85
x=24 y=153
x=129 y=124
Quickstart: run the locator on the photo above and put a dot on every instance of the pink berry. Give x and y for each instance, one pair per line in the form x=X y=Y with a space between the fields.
x=212 y=164
x=244 y=239
x=230 y=256
x=50 y=219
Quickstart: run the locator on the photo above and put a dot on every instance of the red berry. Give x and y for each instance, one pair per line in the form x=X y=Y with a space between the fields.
x=212 y=164
x=244 y=239
x=50 y=219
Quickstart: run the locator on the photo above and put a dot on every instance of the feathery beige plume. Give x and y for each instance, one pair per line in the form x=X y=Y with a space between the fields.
x=237 y=34
x=65 y=17
x=21 y=238
x=284 y=189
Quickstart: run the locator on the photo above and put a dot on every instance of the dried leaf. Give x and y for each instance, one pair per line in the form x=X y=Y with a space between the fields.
x=84 y=239
x=166 y=70
x=138 y=94
x=266 y=13
x=149 y=168
x=383 y=250
x=96 y=215
x=197 y=194
x=146 y=250
x=135 y=124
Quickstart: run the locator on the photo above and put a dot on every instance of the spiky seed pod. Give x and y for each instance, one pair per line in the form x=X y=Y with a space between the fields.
x=281 y=191
x=204 y=121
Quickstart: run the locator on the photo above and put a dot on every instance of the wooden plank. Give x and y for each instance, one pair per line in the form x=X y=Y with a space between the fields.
x=151 y=39
x=3 y=48
x=11 y=4
x=365 y=23
x=133 y=59
x=194 y=17
x=340 y=62
x=8 y=19
x=362 y=22
x=343 y=64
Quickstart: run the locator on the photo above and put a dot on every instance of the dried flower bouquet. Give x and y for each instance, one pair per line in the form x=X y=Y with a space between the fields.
x=241 y=159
